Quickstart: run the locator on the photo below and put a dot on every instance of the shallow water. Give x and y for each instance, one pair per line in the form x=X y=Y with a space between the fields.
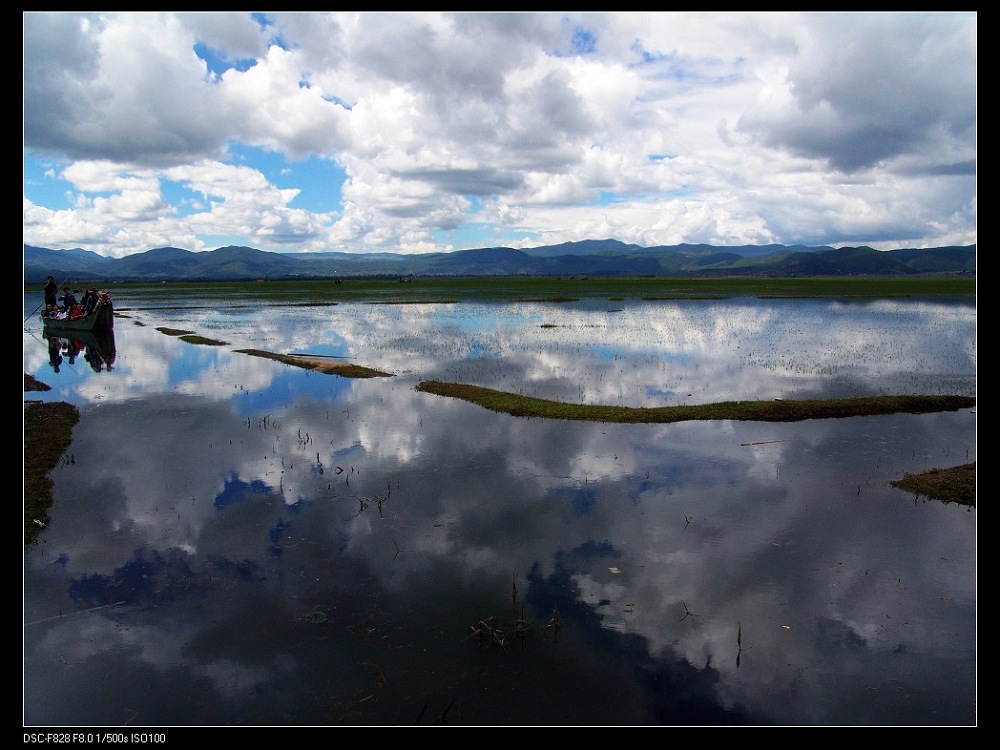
x=235 y=541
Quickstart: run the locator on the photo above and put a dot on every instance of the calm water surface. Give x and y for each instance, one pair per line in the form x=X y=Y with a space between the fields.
x=234 y=541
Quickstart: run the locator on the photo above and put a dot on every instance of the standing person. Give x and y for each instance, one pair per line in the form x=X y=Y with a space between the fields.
x=51 y=289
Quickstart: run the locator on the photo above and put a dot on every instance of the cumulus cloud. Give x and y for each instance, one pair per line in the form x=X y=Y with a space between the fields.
x=437 y=131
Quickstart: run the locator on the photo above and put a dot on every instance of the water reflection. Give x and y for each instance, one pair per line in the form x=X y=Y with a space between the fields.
x=97 y=349
x=241 y=542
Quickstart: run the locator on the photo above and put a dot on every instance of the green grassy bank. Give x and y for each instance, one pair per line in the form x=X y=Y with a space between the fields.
x=554 y=289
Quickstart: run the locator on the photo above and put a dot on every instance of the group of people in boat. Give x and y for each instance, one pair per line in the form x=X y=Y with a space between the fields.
x=67 y=306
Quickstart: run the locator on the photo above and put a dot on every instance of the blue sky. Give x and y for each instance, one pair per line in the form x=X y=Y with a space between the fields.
x=428 y=132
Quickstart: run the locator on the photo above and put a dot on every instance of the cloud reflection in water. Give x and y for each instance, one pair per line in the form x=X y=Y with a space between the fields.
x=269 y=545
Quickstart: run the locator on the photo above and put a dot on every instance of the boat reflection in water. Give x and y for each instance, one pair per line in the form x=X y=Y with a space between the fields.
x=97 y=348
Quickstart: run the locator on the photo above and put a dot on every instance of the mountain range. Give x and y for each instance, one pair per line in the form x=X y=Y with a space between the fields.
x=585 y=258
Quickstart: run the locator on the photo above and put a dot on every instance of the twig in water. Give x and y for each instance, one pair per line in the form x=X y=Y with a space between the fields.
x=78 y=612
x=687 y=613
x=554 y=622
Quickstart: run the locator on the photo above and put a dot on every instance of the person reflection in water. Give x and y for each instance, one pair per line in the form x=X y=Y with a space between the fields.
x=55 y=353
x=72 y=351
x=92 y=356
x=97 y=359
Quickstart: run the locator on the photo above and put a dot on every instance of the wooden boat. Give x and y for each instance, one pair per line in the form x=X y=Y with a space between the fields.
x=101 y=319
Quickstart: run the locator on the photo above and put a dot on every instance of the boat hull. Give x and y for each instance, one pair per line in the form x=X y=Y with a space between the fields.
x=102 y=319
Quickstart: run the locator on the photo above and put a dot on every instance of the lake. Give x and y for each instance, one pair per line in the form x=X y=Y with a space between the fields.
x=236 y=541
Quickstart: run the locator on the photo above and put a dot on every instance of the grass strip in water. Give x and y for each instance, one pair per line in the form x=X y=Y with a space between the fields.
x=193 y=338
x=954 y=485
x=326 y=366
x=744 y=411
x=173 y=331
x=190 y=336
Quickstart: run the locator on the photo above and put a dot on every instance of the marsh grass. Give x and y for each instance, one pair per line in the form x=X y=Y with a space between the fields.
x=448 y=289
x=190 y=336
x=954 y=485
x=48 y=432
x=193 y=338
x=31 y=383
x=746 y=411
x=326 y=366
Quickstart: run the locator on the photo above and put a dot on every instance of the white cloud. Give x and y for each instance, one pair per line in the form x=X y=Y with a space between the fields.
x=275 y=107
x=654 y=128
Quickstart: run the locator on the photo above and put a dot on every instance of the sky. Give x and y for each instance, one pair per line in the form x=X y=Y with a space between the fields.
x=424 y=132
